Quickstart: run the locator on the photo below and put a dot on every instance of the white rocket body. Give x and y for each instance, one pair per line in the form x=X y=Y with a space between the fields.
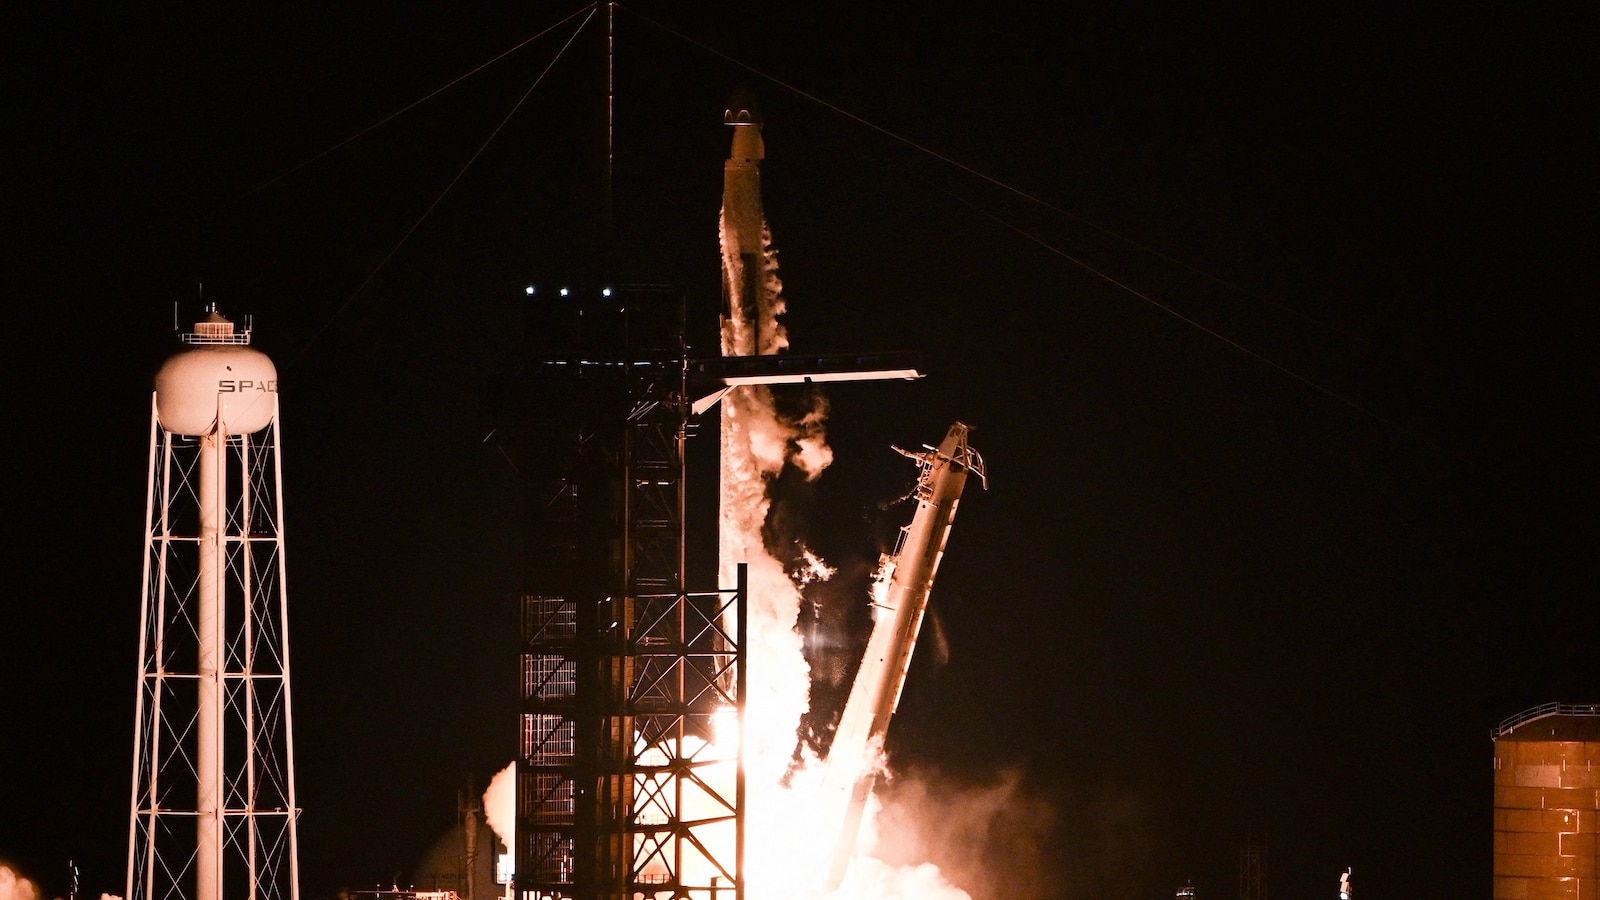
x=747 y=319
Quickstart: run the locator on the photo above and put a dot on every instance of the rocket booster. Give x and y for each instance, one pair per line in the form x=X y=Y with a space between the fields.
x=746 y=327
x=900 y=598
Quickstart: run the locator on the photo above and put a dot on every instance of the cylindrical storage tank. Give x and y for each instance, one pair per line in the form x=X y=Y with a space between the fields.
x=218 y=375
x=1547 y=804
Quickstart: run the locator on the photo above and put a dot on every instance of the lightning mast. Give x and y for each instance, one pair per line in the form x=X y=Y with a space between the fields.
x=213 y=810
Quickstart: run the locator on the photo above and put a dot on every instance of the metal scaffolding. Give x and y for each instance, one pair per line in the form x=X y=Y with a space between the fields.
x=213 y=744
x=628 y=779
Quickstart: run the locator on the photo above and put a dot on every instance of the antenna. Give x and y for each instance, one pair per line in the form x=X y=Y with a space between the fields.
x=611 y=95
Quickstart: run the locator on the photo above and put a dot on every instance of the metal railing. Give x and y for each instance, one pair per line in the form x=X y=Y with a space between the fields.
x=1541 y=711
x=219 y=337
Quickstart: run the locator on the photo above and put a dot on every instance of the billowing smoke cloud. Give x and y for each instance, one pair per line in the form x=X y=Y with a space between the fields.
x=873 y=879
x=758 y=442
x=811 y=453
x=500 y=804
x=989 y=837
x=794 y=814
x=15 y=887
x=773 y=305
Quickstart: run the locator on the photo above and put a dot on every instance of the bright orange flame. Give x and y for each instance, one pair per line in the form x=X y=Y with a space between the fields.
x=793 y=813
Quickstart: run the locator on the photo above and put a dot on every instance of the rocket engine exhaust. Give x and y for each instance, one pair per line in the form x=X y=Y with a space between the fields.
x=803 y=813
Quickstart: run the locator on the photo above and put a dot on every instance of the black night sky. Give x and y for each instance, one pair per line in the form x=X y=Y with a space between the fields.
x=1204 y=597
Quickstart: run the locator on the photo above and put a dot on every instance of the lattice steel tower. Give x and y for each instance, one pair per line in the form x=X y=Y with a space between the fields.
x=627 y=772
x=212 y=813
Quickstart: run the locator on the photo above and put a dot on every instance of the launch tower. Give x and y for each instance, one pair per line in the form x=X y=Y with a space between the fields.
x=213 y=811
x=627 y=772
x=629 y=782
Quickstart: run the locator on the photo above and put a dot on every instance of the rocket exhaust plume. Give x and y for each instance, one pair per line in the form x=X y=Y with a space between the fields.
x=793 y=819
x=500 y=804
x=756 y=444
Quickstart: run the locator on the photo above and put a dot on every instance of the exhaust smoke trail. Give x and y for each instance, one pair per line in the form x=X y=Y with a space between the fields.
x=791 y=824
x=756 y=444
x=924 y=815
x=500 y=804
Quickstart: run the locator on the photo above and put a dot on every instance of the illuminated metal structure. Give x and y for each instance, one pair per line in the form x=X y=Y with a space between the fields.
x=627 y=676
x=628 y=784
x=1547 y=804
x=213 y=810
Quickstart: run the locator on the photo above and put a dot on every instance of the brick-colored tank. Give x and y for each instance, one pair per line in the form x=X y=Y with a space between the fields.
x=1547 y=804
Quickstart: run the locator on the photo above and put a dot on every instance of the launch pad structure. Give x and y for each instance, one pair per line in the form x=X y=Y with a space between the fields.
x=626 y=675
x=628 y=782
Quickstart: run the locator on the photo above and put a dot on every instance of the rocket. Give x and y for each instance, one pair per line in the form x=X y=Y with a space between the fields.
x=899 y=598
x=747 y=315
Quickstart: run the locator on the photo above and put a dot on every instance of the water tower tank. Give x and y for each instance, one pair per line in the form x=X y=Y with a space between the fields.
x=1547 y=804
x=217 y=375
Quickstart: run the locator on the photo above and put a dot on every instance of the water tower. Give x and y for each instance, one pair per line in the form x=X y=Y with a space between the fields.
x=212 y=813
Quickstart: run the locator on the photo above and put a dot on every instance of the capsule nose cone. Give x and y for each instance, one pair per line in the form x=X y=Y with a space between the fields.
x=742 y=109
